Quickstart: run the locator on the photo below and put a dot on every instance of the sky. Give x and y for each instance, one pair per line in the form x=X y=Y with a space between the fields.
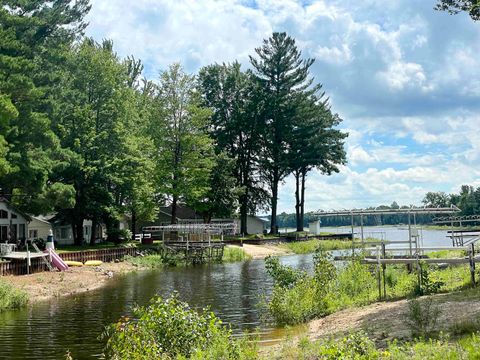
x=404 y=78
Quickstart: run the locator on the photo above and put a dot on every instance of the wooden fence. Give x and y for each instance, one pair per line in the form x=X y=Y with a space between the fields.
x=37 y=264
x=105 y=255
x=19 y=267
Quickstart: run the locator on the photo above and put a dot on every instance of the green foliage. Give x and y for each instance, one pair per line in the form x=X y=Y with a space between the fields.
x=170 y=329
x=422 y=317
x=357 y=346
x=11 y=298
x=427 y=285
x=310 y=246
x=236 y=126
x=184 y=151
x=472 y=7
x=284 y=276
x=234 y=254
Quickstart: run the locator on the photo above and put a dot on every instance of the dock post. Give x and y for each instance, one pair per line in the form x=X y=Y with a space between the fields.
x=471 y=257
x=384 y=267
x=379 y=275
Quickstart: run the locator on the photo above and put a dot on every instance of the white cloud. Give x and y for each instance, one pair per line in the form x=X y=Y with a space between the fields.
x=405 y=78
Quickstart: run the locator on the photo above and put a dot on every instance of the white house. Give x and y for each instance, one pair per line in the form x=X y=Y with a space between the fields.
x=63 y=232
x=13 y=223
x=40 y=226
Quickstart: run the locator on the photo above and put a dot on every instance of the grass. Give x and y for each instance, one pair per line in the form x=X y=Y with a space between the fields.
x=359 y=346
x=234 y=254
x=104 y=245
x=355 y=284
x=11 y=298
x=153 y=261
x=309 y=246
x=446 y=254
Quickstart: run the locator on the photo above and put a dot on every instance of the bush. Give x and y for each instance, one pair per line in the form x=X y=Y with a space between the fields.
x=234 y=254
x=170 y=329
x=422 y=317
x=11 y=298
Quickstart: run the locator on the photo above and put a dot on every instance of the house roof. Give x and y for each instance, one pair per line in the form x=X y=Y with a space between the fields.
x=12 y=207
x=183 y=212
x=47 y=218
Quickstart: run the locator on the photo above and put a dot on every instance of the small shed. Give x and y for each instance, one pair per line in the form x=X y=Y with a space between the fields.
x=13 y=223
x=314 y=227
x=255 y=225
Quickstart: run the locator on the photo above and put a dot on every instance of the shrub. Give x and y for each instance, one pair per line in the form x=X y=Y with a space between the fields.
x=283 y=276
x=427 y=286
x=170 y=329
x=234 y=254
x=11 y=298
x=422 y=317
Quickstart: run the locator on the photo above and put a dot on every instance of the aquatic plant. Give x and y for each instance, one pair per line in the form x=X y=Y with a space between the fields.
x=11 y=297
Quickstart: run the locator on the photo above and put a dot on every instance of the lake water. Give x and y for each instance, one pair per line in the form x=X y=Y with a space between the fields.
x=233 y=291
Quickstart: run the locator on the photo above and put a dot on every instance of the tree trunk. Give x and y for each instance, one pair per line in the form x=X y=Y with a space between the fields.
x=297 y=201
x=302 y=200
x=77 y=228
x=243 y=213
x=273 y=220
x=173 y=219
x=93 y=234
x=133 y=225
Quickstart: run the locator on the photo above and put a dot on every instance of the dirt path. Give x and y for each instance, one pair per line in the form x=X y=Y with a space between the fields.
x=387 y=321
x=47 y=285
x=262 y=251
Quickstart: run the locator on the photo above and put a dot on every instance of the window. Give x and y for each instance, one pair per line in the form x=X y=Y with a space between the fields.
x=3 y=214
x=14 y=216
x=64 y=233
x=33 y=234
x=21 y=231
x=3 y=233
x=13 y=232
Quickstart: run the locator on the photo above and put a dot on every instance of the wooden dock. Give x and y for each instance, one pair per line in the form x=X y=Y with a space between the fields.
x=195 y=252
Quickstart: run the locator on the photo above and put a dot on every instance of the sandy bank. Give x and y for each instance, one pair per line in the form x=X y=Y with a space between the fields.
x=45 y=285
x=262 y=251
x=386 y=321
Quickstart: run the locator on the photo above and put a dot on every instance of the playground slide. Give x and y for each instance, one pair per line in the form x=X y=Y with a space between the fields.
x=57 y=260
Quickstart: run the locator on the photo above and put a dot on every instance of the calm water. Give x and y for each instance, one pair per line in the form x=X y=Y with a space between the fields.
x=48 y=329
x=233 y=291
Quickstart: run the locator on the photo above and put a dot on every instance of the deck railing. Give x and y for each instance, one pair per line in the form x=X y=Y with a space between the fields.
x=37 y=264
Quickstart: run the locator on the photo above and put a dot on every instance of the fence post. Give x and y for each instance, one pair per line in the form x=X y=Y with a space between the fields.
x=471 y=258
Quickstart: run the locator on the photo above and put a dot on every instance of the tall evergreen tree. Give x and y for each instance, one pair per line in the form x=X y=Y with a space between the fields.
x=233 y=95
x=314 y=143
x=282 y=75
x=34 y=35
x=96 y=110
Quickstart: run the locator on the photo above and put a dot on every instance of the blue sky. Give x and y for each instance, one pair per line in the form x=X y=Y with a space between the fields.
x=405 y=79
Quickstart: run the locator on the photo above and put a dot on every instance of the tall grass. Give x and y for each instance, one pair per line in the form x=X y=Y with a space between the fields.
x=359 y=346
x=309 y=246
x=11 y=298
x=234 y=254
x=313 y=296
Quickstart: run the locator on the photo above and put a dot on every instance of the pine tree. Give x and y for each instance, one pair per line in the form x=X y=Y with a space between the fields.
x=282 y=75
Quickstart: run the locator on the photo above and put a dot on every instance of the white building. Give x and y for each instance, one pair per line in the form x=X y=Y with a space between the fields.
x=314 y=227
x=255 y=225
x=39 y=227
x=13 y=223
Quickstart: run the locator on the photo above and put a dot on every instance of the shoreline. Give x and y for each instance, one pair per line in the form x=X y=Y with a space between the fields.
x=262 y=251
x=47 y=285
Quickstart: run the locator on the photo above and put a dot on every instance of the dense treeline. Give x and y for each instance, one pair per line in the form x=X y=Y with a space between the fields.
x=84 y=135
x=468 y=201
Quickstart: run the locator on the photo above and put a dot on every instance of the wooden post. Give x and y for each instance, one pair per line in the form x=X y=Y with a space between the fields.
x=471 y=257
x=379 y=280
x=384 y=267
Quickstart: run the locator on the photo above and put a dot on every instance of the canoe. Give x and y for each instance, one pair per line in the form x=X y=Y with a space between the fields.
x=93 y=263
x=73 y=263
